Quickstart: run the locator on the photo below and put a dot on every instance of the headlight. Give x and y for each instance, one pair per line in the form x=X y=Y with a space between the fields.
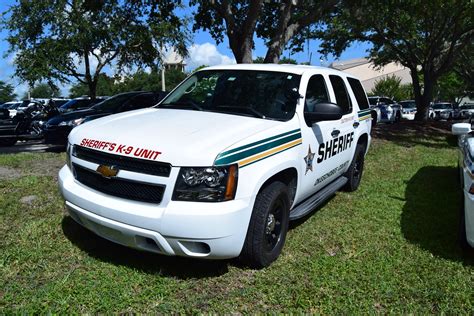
x=209 y=184
x=72 y=123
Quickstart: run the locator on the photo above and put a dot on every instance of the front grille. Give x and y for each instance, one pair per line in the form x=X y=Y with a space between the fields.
x=127 y=189
x=123 y=163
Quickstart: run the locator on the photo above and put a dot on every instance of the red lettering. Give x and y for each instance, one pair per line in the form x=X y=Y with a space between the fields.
x=83 y=141
x=157 y=153
x=138 y=152
x=147 y=153
x=112 y=146
x=120 y=148
x=128 y=150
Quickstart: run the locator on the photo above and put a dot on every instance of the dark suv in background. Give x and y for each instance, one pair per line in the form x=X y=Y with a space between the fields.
x=58 y=128
x=79 y=104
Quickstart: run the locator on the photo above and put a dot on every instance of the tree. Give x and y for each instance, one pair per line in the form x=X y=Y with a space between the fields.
x=425 y=36
x=6 y=92
x=76 y=39
x=237 y=19
x=105 y=87
x=291 y=22
x=391 y=86
x=43 y=91
x=452 y=87
x=276 y=22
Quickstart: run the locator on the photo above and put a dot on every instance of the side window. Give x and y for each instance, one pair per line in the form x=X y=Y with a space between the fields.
x=342 y=98
x=315 y=93
x=359 y=93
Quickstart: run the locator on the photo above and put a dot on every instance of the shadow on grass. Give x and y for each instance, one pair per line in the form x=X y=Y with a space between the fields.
x=434 y=134
x=430 y=217
x=104 y=250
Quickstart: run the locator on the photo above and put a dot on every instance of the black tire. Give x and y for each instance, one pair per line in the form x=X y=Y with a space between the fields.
x=450 y=117
x=5 y=142
x=398 y=117
x=268 y=226
x=354 y=173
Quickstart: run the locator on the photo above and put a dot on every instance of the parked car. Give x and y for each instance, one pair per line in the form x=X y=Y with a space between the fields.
x=27 y=124
x=466 y=110
x=11 y=106
x=466 y=169
x=220 y=166
x=58 y=128
x=408 y=109
x=58 y=102
x=445 y=111
x=80 y=103
x=388 y=111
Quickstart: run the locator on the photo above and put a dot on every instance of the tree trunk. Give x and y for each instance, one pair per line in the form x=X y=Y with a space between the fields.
x=422 y=100
x=242 y=50
x=92 y=89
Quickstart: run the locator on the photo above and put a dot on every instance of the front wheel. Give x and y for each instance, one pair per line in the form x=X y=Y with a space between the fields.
x=268 y=226
x=354 y=173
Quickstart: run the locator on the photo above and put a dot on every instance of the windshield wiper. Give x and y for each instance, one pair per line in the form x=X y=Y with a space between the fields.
x=185 y=103
x=245 y=108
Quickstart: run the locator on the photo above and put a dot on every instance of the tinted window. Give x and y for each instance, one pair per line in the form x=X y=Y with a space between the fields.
x=114 y=103
x=315 y=93
x=342 y=98
x=359 y=93
x=140 y=101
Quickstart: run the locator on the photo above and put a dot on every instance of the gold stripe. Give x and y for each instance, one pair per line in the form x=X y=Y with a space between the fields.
x=270 y=152
x=363 y=118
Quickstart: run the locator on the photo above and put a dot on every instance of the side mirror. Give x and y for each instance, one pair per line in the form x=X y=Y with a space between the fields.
x=461 y=128
x=323 y=112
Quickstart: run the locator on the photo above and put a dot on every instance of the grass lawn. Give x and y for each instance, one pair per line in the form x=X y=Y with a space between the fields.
x=390 y=247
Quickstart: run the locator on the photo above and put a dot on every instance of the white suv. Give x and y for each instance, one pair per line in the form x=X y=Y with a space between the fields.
x=221 y=165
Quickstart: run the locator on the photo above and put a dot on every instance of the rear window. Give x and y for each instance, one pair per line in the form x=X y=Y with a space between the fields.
x=359 y=93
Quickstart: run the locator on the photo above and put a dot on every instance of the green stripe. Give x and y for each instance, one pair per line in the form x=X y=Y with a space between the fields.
x=256 y=143
x=253 y=151
x=363 y=112
x=271 y=155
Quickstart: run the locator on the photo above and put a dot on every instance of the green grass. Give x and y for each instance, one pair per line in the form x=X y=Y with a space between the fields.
x=390 y=247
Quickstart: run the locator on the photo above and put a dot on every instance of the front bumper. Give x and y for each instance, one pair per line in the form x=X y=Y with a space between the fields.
x=192 y=229
x=408 y=116
x=56 y=135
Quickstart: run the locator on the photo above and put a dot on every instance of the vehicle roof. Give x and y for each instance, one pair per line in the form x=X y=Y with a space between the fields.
x=289 y=68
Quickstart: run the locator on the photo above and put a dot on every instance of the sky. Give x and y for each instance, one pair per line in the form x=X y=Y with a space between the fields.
x=203 y=50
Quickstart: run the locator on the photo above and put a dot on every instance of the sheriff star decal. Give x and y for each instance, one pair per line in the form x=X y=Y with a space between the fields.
x=309 y=160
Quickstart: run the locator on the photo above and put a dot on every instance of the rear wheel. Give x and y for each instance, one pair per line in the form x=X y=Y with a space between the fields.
x=354 y=173
x=5 y=142
x=268 y=226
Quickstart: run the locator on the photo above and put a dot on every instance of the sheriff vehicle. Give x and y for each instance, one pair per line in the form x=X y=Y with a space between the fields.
x=466 y=171
x=221 y=165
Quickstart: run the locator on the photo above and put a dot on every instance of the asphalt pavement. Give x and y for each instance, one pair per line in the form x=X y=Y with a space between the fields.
x=30 y=146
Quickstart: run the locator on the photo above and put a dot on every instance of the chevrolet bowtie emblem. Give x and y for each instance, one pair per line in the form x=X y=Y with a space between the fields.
x=107 y=171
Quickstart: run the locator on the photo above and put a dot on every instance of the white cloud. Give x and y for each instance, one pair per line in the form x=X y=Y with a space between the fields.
x=206 y=54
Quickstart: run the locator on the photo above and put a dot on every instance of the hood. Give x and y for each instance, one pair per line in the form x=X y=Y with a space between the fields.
x=179 y=137
x=71 y=116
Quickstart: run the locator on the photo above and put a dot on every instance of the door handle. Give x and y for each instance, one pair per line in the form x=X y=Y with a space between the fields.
x=356 y=124
x=335 y=133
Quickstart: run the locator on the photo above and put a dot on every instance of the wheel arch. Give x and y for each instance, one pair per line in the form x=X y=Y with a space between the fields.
x=289 y=176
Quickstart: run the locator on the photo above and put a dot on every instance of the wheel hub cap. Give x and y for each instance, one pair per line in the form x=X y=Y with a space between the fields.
x=270 y=224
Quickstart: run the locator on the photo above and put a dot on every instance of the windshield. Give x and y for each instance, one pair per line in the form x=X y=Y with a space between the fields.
x=442 y=106
x=262 y=94
x=373 y=101
x=408 y=104
x=467 y=107
x=113 y=104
